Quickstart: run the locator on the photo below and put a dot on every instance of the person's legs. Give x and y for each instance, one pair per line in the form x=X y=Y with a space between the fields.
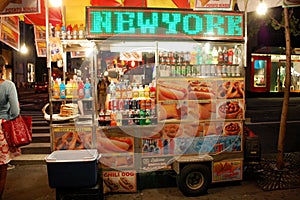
x=3 y=173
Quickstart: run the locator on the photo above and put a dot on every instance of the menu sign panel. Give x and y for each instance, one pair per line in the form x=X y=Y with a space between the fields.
x=9 y=31
x=12 y=7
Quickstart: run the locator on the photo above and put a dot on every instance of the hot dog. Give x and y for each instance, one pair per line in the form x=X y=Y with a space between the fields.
x=113 y=145
x=125 y=183
x=171 y=93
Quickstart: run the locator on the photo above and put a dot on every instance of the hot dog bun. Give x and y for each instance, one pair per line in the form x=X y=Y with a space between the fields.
x=168 y=92
x=125 y=183
x=110 y=145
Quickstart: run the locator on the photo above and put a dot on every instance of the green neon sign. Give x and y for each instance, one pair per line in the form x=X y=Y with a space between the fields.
x=150 y=23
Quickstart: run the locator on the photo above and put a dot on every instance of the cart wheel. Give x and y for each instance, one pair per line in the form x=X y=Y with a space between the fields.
x=194 y=180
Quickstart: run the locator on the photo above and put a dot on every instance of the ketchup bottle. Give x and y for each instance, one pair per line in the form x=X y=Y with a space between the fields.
x=69 y=32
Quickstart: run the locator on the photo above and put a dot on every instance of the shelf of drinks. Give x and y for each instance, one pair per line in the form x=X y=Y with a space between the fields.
x=71 y=99
x=128 y=122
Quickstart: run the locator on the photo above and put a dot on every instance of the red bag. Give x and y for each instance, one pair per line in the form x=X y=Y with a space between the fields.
x=18 y=131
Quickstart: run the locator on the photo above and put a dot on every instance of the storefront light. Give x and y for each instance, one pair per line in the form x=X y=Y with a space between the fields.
x=261 y=8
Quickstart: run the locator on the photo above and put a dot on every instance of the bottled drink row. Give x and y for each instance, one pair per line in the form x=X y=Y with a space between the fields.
x=73 y=89
x=129 y=105
x=199 y=70
x=203 y=54
x=69 y=32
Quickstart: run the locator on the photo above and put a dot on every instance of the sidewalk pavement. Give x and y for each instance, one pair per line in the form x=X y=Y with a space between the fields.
x=30 y=182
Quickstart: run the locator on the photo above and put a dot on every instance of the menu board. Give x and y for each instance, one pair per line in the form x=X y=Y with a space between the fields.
x=119 y=181
x=117 y=152
x=227 y=170
x=40 y=40
x=10 y=33
x=72 y=137
x=9 y=7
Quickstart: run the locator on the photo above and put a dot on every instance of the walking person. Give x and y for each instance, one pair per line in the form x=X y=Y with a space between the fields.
x=9 y=109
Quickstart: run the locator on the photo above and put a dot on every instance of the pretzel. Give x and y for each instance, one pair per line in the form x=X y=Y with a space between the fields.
x=69 y=140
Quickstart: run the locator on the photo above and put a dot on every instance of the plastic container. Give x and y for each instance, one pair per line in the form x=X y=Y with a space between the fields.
x=72 y=168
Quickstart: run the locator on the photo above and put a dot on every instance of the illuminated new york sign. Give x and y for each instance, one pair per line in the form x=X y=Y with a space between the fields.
x=151 y=23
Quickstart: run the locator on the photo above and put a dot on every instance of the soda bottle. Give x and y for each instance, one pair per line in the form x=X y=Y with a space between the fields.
x=56 y=90
x=214 y=56
x=87 y=89
x=135 y=92
x=225 y=55
x=62 y=89
x=230 y=56
x=142 y=117
x=220 y=56
x=147 y=91
x=237 y=55
x=81 y=89
x=69 y=90
x=75 y=89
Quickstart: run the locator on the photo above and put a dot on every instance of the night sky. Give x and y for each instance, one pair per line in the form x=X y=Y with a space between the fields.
x=267 y=36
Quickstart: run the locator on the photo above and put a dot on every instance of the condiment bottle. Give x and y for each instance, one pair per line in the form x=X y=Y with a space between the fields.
x=81 y=32
x=69 y=32
x=63 y=34
x=57 y=30
x=75 y=32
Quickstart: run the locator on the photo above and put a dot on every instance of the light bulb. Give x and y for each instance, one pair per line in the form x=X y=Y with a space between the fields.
x=261 y=8
x=56 y=3
x=24 y=49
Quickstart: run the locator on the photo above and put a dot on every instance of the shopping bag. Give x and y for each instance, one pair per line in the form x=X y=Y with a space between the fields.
x=18 y=131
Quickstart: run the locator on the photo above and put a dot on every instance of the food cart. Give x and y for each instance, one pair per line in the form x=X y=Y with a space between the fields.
x=175 y=99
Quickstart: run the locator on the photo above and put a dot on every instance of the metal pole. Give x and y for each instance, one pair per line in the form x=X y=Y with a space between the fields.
x=246 y=33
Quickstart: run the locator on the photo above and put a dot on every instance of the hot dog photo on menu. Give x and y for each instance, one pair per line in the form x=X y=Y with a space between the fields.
x=201 y=90
x=119 y=181
x=172 y=90
x=108 y=145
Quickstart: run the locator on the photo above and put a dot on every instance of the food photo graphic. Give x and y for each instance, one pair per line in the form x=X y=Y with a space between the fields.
x=117 y=161
x=114 y=144
x=201 y=89
x=119 y=181
x=172 y=90
x=72 y=140
x=231 y=89
x=230 y=109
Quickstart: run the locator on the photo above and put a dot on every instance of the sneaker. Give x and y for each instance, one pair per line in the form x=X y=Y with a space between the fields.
x=9 y=166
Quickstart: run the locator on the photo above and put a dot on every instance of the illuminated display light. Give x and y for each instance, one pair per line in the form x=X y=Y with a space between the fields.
x=107 y=22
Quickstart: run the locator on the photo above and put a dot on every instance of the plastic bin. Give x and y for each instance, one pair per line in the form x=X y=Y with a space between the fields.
x=72 y=168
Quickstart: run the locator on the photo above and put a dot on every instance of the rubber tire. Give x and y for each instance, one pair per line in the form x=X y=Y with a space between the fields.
x=189 y=170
